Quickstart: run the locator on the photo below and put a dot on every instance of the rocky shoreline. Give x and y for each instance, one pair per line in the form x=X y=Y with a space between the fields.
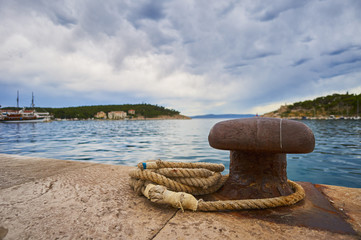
x=162 y=117
x=301 y=113
x=335 y=106
x=278 y=114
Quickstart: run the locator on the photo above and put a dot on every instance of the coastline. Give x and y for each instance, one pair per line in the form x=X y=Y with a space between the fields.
x=163 y=117
x=307 y=116
x=140 y=118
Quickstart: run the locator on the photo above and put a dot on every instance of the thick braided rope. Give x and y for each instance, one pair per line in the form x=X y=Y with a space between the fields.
x=201 y=182
x=244 y=204
x=174 y=185
x=156 y=164
x=182 y=177
x=185 y=172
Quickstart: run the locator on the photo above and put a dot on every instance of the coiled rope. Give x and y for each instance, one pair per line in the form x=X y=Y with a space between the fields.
x=178 y=182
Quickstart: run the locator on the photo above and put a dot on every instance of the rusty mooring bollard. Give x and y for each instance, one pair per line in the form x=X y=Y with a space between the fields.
x=258 y=148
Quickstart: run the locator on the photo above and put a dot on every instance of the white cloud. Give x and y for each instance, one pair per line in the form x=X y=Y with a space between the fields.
x=194 y=56
x=266 y=108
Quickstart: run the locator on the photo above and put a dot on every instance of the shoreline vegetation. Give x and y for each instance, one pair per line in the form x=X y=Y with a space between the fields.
x=111 y=112
x=335 y=106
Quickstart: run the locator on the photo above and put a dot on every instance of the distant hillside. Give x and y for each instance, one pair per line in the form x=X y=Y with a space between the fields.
x=224 y=116
x=85 y=112
x=339 y=105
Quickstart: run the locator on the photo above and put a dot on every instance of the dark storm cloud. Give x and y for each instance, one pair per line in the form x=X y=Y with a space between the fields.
x=351 y=60
x=152 y=10
x=301 y=61
x=338 y=51
x=271 y=11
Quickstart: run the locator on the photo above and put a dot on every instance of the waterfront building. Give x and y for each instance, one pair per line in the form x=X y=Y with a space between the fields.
x=116 y=115
x=101 y=114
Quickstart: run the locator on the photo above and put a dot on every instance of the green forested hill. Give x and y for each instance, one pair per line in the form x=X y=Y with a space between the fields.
x=85 y=112
x=146 y=110
x=336 y=104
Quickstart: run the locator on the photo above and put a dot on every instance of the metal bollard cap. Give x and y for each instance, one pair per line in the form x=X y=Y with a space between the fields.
x=258 y=134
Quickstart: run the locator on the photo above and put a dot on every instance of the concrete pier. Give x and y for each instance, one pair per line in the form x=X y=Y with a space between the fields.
x=56 y=199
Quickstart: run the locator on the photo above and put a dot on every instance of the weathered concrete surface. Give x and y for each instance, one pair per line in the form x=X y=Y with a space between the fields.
x=189 y=225
x=347 y=200
x=55 y=199
x=74 y=202
x=16 y=170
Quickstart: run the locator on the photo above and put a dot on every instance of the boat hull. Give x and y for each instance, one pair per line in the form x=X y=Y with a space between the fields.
x=24 y=121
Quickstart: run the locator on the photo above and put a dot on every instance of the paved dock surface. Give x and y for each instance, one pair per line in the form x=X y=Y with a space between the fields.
x=57 y=199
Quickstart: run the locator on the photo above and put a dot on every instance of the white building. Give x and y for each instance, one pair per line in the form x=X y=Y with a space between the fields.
x=116 y=115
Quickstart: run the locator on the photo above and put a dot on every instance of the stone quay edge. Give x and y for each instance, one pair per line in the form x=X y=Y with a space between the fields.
x=57 y=199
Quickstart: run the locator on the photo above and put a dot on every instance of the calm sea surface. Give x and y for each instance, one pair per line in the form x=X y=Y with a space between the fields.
x=336 y=159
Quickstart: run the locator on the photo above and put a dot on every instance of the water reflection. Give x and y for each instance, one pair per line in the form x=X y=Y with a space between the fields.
x=335 y=160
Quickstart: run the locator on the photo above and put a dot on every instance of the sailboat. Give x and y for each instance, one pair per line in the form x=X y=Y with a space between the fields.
x=23 y=116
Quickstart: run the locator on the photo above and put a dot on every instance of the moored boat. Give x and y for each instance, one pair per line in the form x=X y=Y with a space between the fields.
x=22 y=116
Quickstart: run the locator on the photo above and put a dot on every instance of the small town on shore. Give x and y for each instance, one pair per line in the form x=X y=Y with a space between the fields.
x=21 y=115
x=98 y=112
x=131 y=115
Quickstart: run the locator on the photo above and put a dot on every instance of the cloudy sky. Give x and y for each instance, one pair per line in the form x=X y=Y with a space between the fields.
x=196 y=56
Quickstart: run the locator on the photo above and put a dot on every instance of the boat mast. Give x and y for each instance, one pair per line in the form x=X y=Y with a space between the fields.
x=17 y=100
x=32 y=100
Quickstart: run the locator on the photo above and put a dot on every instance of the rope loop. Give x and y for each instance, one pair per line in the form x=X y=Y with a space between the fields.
x=179 y=181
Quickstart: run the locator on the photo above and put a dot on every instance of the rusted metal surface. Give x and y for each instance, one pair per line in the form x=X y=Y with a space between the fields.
x=315 y=212
x=258 y=148
x=262 y=135
x=256 y=175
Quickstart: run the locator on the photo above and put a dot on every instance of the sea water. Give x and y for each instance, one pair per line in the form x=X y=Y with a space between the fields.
x=336 y=159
